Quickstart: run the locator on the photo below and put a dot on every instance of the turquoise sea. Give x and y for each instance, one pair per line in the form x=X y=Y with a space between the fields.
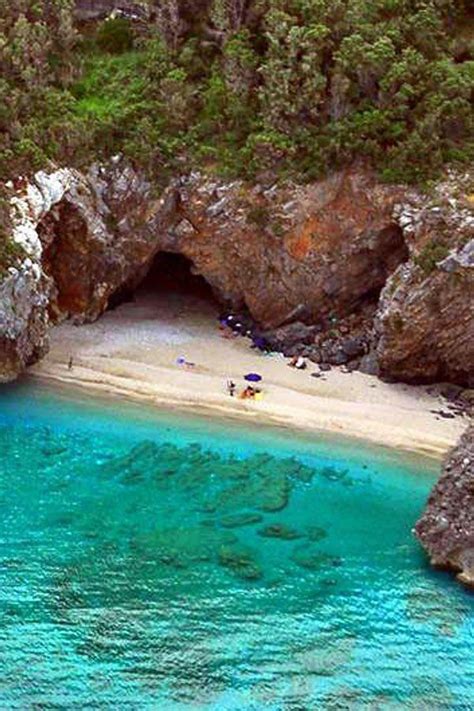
x=158 y=561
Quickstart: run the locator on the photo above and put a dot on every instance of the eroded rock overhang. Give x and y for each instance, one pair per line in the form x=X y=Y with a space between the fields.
x=318 y=251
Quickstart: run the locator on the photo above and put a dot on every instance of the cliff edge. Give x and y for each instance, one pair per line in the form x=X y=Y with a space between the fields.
x=446 y=529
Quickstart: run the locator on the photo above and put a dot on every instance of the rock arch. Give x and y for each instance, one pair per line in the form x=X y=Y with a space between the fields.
x=314 y=250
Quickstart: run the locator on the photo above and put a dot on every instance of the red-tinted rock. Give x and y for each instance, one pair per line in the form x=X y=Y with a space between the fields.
x=425 y=320
x=319 y=249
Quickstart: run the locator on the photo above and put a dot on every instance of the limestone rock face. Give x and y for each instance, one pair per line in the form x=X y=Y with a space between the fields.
x=287 y=253
x=425 y=320
x=295 y=251
x=99 y=237
x=25 y=289
x=81 y=237
x=307 y=255
x=24 y=296
x=315 y=250
x=312 y=254
x=446 y=528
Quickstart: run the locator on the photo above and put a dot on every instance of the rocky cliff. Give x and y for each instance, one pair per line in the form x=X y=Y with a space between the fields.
x=425 y=320
x=314 y=250
x=317 y=250
x=318 y=255
x=446 y=528
x=25 y=289
x=73 y=248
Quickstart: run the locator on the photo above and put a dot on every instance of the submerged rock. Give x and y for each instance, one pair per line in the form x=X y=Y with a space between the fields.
x=240 y=519
x=316 y=533
x=335 y=474
x=279 y=530
x=263 y=484
x=182 y=547
x=135 y=466
x=311 y=557
x=327 y=658
x=446 y=529
x=435 y=607
x=241 y=561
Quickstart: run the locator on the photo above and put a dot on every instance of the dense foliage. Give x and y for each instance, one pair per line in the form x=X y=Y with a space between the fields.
x=36 y=43
x=241 y=86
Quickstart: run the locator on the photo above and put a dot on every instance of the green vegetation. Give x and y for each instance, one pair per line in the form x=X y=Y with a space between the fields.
x=10 y=253
x=36 y=66
x=259 y=215
x=287 y=86
x=430 y=255
x=115 y=36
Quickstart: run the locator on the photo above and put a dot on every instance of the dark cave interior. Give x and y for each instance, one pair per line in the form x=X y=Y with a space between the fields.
x=168 y=273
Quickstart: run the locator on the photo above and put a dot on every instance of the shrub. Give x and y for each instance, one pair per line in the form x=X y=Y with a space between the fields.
x=430 y=255
x=296 y=87
x=259 y=216
x=115 y=35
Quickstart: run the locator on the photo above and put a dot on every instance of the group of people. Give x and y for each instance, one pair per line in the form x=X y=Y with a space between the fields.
x=248 y=393
x=242 y=325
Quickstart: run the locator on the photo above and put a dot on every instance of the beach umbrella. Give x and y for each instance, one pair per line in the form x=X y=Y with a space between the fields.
x=253 y=377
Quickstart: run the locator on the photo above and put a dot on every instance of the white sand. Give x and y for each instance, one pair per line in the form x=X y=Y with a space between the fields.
x=132 y=352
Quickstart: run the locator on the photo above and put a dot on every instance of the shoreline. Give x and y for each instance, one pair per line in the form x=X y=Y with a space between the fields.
x=108 y=394
x=131 y=353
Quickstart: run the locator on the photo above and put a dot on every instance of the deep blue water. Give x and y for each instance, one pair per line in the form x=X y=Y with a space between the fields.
x=153 y=561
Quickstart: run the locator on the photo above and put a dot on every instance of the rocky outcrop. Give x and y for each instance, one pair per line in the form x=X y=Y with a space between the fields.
x=307 y=262
x=301 y=252
x=276 y=251
x=332 y=341
x=25 y=289
x=81 y=237
x=282 y=252
x=425 y=320
x=100 y=236
x=446 y=528
x=23 y=319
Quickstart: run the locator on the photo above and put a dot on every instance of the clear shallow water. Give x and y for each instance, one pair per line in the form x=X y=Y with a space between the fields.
x=162 y=562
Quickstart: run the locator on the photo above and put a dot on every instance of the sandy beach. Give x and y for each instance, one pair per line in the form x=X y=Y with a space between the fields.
x=133 y=351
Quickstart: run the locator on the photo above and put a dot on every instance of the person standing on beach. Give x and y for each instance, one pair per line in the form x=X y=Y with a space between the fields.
x=231 y=387
x=69 y=365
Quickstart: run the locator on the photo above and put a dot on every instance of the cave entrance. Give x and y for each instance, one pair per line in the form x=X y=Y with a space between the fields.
x=169 y=277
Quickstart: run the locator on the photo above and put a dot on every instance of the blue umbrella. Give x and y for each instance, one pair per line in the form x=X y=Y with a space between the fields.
x=253 y=377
